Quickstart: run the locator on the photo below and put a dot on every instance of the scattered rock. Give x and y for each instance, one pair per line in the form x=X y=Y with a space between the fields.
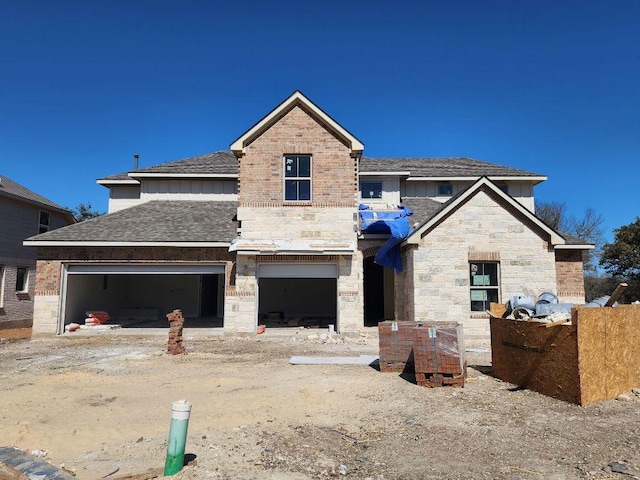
x=636 y=391
x=623 y=397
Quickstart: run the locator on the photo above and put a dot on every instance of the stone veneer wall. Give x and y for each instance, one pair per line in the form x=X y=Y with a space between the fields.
x=570 y=276
x=479 y=230
x=50 y=261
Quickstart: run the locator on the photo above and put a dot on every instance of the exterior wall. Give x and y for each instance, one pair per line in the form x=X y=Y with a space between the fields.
x=570 y=276
x=303 y=224
x=48 y=287
x=522 y=192
x=480 y=229
x=188 y=189
x=123 y=196
x=18 y=221
x=334 y=176
x=327 y=219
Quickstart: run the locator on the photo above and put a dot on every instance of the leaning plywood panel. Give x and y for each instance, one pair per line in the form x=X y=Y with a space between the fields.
x=609 y=351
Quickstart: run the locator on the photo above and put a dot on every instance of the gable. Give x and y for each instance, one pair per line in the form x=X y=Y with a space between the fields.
x=297 y=99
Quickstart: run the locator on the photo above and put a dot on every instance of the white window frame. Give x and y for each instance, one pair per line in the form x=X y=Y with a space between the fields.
x=482 y=286
x=297 y=178
x=42 y=226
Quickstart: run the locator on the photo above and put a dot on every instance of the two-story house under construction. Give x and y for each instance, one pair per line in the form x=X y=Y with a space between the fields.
x=294 y=227
x=23 y=213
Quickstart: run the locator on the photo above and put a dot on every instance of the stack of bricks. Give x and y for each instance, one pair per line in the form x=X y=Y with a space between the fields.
x=176 y=323
x=396 y=346
x=438 y=352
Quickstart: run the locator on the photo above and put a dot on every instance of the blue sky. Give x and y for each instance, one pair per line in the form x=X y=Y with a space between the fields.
x=551 y=87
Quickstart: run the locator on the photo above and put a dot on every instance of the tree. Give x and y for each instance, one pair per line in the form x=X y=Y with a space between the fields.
x=621 y=259
x=588 y=228
x=84 y=211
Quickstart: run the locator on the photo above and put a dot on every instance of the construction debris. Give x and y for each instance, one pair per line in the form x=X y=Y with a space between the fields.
x=176 y=324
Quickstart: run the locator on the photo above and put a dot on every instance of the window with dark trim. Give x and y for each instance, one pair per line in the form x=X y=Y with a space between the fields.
x=484 y=284
x=371 y=190
x=44 y=222
x=297 y=178
x=22 y=279
x=445 y=189
x=504 y=187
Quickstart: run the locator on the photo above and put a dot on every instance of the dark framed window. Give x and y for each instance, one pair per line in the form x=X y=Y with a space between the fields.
x=297 y=178
x=484 y=285
x=504 y=187
x=44 y=222
x=22 y=279
x=445 y=189
x=371 y=190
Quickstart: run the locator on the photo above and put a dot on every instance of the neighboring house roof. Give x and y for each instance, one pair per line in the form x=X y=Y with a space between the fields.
x=297 y=99
x=442 y=168
x=215 y=164
x=9 y=188
x=484 y=184
x=176 y=222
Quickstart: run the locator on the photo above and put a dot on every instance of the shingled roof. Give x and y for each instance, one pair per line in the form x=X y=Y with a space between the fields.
x=161 y=221
x=9 y=188
x=224 y=162
x=216 y=163
x=442 y=167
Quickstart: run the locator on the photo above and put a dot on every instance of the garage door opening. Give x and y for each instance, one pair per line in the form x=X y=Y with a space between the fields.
x=142 y=299
x=298 y=295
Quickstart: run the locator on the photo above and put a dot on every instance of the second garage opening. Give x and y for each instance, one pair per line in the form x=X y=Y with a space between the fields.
x=297 y=295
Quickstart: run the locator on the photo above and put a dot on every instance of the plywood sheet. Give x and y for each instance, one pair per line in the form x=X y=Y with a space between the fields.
x=537 y=358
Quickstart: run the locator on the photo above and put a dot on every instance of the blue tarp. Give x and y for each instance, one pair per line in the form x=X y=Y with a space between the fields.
x=396 y=223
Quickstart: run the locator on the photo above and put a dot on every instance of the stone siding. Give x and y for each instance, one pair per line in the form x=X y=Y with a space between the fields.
x=440 y=275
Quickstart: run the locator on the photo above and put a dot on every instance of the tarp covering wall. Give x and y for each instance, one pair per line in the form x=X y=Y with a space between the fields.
x=394 y=222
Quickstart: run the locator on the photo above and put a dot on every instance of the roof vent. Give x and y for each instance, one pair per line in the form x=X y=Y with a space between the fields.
x=136 y=157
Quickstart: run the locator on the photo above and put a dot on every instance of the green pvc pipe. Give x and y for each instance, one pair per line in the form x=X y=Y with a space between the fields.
x=180 y=412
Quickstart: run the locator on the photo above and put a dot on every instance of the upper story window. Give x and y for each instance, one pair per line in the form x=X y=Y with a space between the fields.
x=504 y=187
x=44 y=222
x=484 y=285
x=371 y=190
x=445 y=189
x=297 y=181
x=22 y=279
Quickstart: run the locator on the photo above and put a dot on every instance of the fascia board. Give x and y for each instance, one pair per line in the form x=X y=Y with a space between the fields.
x=118 y=182
x=183 y=175
x=53 y=243
x=384 y=174
x=585 y=246
x=496 y=178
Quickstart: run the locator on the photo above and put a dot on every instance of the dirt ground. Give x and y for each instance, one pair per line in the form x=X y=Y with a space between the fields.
x=100 y=404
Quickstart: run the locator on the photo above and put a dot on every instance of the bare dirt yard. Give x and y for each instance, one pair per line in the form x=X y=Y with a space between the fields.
x=100 y=404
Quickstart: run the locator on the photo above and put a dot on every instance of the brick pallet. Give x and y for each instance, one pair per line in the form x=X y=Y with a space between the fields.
x=396 y=347
x=433 y=351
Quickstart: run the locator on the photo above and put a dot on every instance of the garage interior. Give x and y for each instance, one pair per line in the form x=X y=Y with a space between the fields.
x=298 y=295
x=142 y=297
